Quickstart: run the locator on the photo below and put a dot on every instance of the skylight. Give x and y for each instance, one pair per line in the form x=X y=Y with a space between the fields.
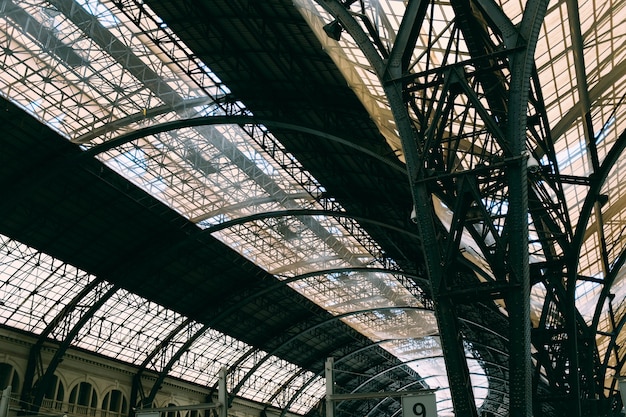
x=94 y=74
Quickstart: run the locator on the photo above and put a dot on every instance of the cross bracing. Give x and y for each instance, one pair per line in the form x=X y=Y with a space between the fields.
x=486 y=87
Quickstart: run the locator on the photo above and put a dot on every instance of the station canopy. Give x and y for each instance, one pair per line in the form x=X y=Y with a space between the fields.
x=118 y=83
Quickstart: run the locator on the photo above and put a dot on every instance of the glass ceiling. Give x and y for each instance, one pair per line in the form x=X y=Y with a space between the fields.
x=94 y=74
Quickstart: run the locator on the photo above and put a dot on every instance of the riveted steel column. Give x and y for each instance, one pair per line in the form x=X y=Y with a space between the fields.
x=518 y=303
x=387 y=71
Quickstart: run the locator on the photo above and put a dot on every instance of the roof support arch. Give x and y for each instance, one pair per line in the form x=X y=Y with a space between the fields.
x=312 y=328
x=238 y=120
x=46 y=378
x=251 y=295
x=34 y=367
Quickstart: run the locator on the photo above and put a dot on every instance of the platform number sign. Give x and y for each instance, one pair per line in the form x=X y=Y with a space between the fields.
x=424 y=405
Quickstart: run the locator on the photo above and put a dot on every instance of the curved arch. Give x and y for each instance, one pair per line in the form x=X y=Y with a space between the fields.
x=60 y=352
x=305 y=212
x=34 y=355
x=134 y=118
x=600 y=177
x=320 y=373
x=239 y=120
x=503 y=393
x=148 y=253
x=156 y=386
x=382 y=400
x=253 y=294
x=137 y=387
x=309 y=329
x=613 y=345
x=364 y=348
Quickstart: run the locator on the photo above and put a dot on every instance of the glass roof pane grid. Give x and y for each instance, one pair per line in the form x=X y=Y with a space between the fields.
x=312 y=248
x=346 y=292
x=513 y=9
x=266 y=380
x=171 y=48
x=159 y=361
x=397 y=323
x=35 y=287
x=98 y=100
x=24 y=62
x=587 y=297
x=411 y=350
x=555 y=64
x=608 y=117
x=128 y=327
x=181 y=53
x=310 y=390
x=590 y=257
x=208 y=354
x=79 y=308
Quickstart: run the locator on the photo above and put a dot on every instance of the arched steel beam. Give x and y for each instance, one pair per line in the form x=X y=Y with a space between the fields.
x=305 y=212
x=34 y=356
x=156 y=386
x=309 y=329
x=252 y=294
x=390 y=341
x=600 y=177
x=238 y=120
x=617 y=329
x=318 y=375
x=62 y=163
x=295 y=376
x=148 y=254
x=483 y=328
x=572 y=315
x=137 y=387
x=212 y=120
x=501 y=413
x=381 y=401
x=423 y=378
x=141 y=116
x=63 y=346
x=301 y=390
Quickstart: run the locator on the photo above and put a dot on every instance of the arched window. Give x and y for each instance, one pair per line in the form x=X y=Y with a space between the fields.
x=54 y=394
x=83 y=399
x=114 y=404
x=9 y=377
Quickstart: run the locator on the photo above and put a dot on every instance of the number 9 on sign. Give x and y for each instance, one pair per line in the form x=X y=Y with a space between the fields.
x=424 y=405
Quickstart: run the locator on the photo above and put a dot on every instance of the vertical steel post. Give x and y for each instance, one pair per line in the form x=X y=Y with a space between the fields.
x=330 y=386
x=222 y=393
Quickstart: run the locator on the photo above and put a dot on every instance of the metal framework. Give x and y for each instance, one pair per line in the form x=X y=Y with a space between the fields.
x=473 y=127
x=519 y=286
